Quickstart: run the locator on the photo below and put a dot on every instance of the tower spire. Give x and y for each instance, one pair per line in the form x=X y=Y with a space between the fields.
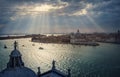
x=38 y=73
x=53 y=64
x=15 y=45
x=78 y=31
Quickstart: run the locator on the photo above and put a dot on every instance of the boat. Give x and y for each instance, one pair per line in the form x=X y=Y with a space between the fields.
x=41 y=48
x=5 y=46
x=33 y=44
x=23 y=45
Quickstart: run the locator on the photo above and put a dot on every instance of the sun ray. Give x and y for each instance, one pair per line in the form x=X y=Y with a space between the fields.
x=43 y=23
x=98 y=28
x=56 y=26
x=31 y=24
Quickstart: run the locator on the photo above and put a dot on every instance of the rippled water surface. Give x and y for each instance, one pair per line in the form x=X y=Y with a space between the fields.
x=84 y=61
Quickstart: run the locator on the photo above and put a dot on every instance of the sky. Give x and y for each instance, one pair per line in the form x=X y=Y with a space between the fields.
x=59 y=16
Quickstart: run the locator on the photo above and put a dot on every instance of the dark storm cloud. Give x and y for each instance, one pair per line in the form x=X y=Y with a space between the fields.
x=105 y=12
x=110 y=13
x=73 y=7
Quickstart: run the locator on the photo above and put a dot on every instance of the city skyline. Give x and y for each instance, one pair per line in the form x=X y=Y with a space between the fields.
x=59 y=16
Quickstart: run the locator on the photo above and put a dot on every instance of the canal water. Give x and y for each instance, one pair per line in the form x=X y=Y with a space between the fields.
x=84 y=61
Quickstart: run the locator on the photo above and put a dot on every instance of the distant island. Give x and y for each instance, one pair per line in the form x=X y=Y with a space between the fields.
x=77 y=38
x=80 y=38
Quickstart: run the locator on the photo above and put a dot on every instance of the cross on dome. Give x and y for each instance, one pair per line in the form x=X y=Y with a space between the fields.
x=15 y=45
x=53 y=64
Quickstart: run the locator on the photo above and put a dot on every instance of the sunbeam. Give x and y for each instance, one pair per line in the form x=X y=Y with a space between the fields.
x=98 y=28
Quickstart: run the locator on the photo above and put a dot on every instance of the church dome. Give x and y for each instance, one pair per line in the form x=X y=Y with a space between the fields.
x=18 y=72
x=15 y=66
x=15 y=53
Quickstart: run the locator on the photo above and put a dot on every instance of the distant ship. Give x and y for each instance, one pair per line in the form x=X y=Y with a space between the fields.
x=33 y=44
x=23 y=45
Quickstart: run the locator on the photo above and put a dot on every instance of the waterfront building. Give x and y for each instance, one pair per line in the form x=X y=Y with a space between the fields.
x=16 y=68
x=76 y=38
x=79 y=39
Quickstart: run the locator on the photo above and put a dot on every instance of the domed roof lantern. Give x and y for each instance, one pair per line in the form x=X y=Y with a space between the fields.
x=15 y=58
x=15 y=52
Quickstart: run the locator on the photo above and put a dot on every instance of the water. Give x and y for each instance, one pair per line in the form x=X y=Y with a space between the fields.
x=84 y=61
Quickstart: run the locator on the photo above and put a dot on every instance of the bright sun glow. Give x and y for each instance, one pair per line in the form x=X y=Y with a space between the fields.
x=36 y=9
x=44 y=8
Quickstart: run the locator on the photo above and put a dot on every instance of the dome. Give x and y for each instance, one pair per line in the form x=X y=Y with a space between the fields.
x=15 y=53
x=18 y=72
x=15 y=66
x=78 y=32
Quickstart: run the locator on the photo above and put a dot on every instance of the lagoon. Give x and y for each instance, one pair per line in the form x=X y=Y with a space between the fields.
x=84 y=61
